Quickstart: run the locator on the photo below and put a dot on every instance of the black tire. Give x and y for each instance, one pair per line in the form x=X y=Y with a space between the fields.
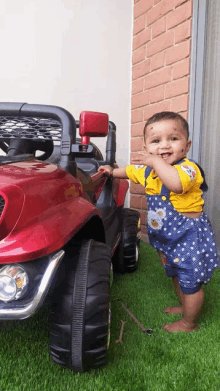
x=126 y=257
x=80 y=320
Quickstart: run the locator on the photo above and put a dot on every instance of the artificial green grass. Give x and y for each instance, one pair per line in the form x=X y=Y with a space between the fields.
x=164 y=361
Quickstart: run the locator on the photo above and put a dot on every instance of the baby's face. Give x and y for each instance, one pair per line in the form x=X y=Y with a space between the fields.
x=168 y=139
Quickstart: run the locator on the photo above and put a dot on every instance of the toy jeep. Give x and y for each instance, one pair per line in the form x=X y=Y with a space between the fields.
x=62 y=226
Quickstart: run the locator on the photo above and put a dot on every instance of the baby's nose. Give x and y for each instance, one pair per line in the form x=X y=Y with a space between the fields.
x=165 y=144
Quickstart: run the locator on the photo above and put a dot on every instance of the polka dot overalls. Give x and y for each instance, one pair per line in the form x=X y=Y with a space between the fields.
x=186 y=243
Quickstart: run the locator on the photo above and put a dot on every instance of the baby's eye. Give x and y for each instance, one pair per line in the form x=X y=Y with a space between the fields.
x=155 y=141
x=174 y=138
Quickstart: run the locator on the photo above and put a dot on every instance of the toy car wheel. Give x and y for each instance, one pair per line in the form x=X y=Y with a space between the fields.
x=126 y=257
x=80 y=328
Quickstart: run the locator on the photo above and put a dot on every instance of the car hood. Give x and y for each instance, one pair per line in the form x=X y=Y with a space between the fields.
x=41 y=206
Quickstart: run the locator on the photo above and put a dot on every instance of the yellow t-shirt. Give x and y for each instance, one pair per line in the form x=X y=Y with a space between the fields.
x=190 y=200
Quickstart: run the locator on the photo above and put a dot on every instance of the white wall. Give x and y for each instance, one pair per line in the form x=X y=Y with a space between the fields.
x=71 y=53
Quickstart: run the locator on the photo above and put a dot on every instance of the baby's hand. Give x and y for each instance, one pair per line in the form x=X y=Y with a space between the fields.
x=146 y=159
x=107 y=170
x=143 y=158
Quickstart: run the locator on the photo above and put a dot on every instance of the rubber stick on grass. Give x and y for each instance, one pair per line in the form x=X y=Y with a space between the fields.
x=147 y=331
x=121 y=331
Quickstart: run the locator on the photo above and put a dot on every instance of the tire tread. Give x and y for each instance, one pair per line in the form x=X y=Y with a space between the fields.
x=77 y=340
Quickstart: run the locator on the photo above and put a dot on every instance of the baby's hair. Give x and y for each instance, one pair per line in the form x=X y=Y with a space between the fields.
x=163 y=115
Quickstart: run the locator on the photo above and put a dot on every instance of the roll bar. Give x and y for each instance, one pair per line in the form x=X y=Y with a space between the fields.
x=69 y=148
x=44 y=111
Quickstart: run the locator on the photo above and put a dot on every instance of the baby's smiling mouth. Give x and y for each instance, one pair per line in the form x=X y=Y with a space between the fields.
x=165 y=155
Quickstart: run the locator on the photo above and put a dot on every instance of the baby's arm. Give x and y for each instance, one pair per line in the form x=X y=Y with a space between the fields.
x=119 y=172
x=167 y=173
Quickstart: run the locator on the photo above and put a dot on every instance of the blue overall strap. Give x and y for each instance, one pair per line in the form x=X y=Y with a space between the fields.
x=164 y=190
x=147 y=173
x=149 y=169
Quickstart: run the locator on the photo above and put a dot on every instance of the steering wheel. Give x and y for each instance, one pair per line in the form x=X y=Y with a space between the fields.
x=14 y=146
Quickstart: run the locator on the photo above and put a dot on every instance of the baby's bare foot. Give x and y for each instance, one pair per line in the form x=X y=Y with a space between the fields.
x=180 y=325
x=174 y=310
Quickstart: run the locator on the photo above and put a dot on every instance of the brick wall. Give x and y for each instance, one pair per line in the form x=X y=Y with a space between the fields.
x=160 y=73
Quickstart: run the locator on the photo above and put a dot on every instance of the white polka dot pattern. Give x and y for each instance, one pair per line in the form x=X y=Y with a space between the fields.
x=187 y=243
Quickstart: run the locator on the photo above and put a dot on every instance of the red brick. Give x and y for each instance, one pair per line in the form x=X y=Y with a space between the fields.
x=137 y=130
x=143 y=216
x=139 y=24
x=142 y=7
x=136 y=188
x=185 y=115
x=157 y=78
x=183 y=31
x=135 y=154
x=143 y=202
x=157 y=61
x=144 y=236
x=157 y=94
x=135 y=201
x=137 y=86
x=181 y=69
x=159 y=27
x=160 y=43
x=177 y=53
x=178 y=2
x=139 y=100
x=141 y=38
x=139 y=55
x=180 y=103
x=161 y=9
x=156 y=108
x=177 y=87
x=141 y=69
x=136 y=144
x=179 y=15
x=137 y=115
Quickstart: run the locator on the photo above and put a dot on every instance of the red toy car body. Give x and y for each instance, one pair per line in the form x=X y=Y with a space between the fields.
x=62 y=224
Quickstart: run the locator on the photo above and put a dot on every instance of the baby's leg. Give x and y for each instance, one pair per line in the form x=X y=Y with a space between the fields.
x=192 y=305
x=176 y=309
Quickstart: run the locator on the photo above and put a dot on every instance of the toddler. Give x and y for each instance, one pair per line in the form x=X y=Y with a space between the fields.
x=177 y=225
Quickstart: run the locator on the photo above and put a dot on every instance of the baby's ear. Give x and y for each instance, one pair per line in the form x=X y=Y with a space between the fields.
x=188 y=145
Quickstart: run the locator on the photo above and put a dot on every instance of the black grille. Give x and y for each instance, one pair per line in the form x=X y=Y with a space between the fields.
x=30 y=128
x=2 y=205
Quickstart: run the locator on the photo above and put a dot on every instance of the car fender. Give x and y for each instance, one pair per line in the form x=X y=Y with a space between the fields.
x=48 y=233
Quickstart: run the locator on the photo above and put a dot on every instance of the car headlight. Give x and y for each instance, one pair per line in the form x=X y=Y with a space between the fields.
x=13 y=282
